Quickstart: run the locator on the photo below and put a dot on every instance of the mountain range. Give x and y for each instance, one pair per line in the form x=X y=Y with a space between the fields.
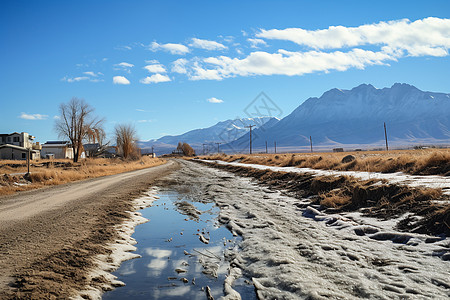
x=223 y=132
x=344 y=118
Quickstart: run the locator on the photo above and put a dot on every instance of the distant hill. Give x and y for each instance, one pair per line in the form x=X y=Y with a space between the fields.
x=223 y=132
x=354 y=118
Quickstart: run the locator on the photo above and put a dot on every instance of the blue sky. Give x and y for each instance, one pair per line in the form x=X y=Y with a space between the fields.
x=172 y=66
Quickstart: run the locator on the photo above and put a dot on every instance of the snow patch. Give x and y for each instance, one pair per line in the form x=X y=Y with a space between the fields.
x=121 y=250
x=399 y=178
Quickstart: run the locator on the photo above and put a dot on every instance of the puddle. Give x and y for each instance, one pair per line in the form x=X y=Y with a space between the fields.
x=170 y=242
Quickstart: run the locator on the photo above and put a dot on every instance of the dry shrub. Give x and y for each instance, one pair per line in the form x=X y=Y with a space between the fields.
x=334 y=200
x=42 y=176
x=435 y=162
x=425 y=162
x=186 y=149
x=438 y=222
x=328 y=163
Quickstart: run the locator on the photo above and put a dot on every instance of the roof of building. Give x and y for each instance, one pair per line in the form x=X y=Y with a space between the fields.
x=17 y=147
x=56 y=143
x=91 y=147
x=8 y=134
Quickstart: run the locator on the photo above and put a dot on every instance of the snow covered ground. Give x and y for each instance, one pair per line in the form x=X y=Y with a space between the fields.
x=297 y=253
x=432 y=181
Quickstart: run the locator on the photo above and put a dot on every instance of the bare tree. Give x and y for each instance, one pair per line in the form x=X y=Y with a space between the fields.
x=126 y=139
x=186 y=149
x=75 y=121
x=96 y=135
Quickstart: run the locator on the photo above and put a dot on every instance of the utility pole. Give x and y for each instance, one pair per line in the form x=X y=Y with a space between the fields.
x=310 y=140
x=203 y=148
x=250 y=126
x=275 y=145
x=153 y=152
x=218 y=148
x=28 y=161
x=385 y=136
x=266 y=147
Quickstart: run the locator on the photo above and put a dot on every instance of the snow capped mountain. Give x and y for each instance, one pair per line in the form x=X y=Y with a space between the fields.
x=356 y=117
x=223 y=132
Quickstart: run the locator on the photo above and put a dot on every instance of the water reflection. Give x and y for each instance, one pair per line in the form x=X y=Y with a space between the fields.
x=128 y=269
x=176 y=291
x=159 y=262
x=170 y=243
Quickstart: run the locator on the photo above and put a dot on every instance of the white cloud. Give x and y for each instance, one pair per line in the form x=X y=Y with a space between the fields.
x=256 y=42
x=93 y=74
x=337 y=48
x=74 y=79
x=429 y=36
x=285 y=63
x=199 y=73
x=92 y=77
x=33 y=116
x=124 y=65
x=156 y=78
x=145 y=121
x=120 y=80
x=56 y=117
x=214 y=100
x=228 y=38
x=155 y=68
x=123 y=48
x=179 y=66
x=207 y=45
x=170 y=47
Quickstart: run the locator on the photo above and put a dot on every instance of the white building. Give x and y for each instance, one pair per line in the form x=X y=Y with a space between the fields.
x=23 y=139
x=57 y=149
x=16 y=146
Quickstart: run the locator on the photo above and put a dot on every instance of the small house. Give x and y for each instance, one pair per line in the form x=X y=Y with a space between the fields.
x=91 y=149
x=14 y=152
x=16 y=146
x=57 y=149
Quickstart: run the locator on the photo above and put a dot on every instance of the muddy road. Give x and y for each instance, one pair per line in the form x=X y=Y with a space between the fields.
x=48 y=236
x=291 y=252
x=286 y=249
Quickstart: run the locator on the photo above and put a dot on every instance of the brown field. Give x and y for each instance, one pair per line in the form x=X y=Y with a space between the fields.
x=417 y=162
x=53 y=172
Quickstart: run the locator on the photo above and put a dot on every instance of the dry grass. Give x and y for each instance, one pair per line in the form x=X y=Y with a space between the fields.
x=373 y=198
x=424 y=162
x=54 y=172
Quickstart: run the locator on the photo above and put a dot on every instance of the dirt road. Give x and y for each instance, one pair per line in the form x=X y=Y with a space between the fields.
x=48 y=236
